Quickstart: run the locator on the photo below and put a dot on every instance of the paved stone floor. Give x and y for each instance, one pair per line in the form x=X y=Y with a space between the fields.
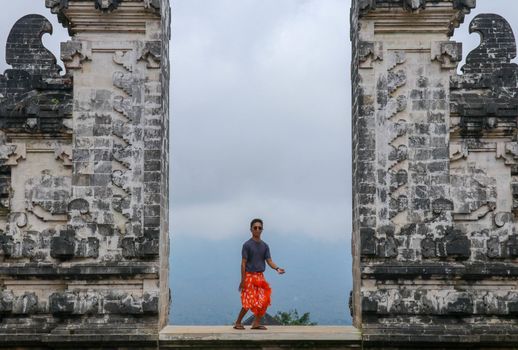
x=310 y=333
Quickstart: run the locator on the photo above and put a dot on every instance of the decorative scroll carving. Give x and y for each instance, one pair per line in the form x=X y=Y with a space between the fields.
x=125 y=59
x=35 y=98
x=395 y=58
x=449 y=53
x=25 y=50
x=64 y=153
x=486 y=96
x=74 y=53
x=12 y=153
x=473 y=193
x=395 y=80
x=497 y=45
x=369 y=52
x=48 y=196
x=151 y=53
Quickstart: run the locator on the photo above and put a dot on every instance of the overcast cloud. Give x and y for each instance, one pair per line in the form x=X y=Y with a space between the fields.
x=260 y=117
x=260 y=112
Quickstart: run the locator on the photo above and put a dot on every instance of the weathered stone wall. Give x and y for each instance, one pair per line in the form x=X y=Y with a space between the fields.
x=434 y=159
x=84 y=173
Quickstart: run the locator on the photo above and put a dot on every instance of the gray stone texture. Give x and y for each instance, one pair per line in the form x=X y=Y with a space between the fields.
x=434 y=166
x=83 y=174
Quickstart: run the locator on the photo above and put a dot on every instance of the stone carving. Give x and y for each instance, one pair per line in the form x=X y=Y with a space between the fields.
x=464 y=5
x=369 y=52
x=64 y=153
x=438 y=154
x=57 y=6
x=151 y=53
x=74 y=53
x=448 y=301
x=473 y=193
x=88 y=228
x=414 y=5
x=144 y=243
x=148 y=52
x=488 y=69
x=34 y=96
x=89 y=302
x=448 y=53
x=395 y=80
x=107 y=5
x=395 y=58
x=25 y=50
x=365 y=6
x=497 y=46
x=153 y=4
x=48 y=195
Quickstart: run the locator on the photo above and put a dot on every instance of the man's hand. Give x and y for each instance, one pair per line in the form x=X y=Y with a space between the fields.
x=280 y=271
x=240 y=288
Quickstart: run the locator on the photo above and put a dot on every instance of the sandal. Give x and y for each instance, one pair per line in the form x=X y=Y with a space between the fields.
x=263 y=328
x=238 y=326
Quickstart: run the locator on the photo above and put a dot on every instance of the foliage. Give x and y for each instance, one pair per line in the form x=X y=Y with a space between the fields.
x=292 y=318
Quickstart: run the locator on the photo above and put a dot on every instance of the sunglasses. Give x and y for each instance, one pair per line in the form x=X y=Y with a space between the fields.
x=257 y=228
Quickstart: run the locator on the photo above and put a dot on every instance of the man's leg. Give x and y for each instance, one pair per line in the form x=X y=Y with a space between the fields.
x=257 y=321
x=242 y=314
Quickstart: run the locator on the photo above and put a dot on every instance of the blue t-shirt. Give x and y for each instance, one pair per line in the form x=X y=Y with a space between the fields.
x=255 y=254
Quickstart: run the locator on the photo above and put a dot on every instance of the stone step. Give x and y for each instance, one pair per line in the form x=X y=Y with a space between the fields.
x=275 y=337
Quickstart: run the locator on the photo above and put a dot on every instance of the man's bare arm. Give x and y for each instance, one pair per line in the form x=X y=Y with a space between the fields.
x=274 y=266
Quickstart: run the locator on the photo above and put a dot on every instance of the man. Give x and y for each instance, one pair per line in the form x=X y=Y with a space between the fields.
x=255 y=291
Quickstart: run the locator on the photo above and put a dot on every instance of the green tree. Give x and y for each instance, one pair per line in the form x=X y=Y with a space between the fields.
x=292 y=318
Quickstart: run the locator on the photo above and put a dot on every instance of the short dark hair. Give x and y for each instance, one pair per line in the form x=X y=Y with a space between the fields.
x=254 y=221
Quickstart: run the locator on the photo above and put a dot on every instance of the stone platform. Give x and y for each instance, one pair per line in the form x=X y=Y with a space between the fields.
x=276 y=337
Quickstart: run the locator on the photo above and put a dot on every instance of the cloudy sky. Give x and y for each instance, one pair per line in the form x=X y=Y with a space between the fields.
x=260 y=112
x=260 y=121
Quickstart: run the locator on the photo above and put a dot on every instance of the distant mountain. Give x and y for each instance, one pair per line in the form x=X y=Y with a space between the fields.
x=204 y=276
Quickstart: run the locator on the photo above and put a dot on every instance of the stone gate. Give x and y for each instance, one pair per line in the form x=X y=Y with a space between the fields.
x=84 y=176
x=84 y=183
x=435 y=168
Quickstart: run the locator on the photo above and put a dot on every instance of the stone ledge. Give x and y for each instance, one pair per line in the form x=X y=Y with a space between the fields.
x=447 y=336
x=443 y=341
x=77 y=271
x=136 y=341
x=286 y=337
x=441 y=270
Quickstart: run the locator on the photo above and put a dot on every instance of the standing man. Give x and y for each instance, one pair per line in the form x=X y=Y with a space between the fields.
x=255 y=291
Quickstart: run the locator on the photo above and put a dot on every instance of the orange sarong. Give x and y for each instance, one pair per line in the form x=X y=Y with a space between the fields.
x=256 y=293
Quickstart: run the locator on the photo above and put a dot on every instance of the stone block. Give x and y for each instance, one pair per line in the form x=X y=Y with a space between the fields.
x=457 y=244
x=461 y=304
x=368 y=242
x=26 y=304
x=63 y=246
x=62 y=303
